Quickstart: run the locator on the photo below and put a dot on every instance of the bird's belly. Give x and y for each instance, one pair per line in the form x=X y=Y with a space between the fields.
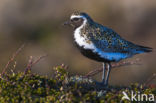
x=101 y=56
x=91 y=54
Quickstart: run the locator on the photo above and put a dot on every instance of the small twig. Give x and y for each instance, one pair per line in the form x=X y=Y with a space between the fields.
x=124 y=63
x=12 y=59
x=31 y=63
x=149 y=79
x=41 y=57
x=14 y=66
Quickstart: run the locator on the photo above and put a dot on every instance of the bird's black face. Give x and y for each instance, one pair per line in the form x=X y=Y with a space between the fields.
x=75 y=21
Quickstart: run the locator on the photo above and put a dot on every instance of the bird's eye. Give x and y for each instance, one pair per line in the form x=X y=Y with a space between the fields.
x=75 y=19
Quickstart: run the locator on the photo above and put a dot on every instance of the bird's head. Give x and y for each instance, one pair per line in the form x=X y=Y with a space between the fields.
x=78 y=19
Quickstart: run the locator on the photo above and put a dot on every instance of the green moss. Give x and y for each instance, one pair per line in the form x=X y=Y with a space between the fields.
x=27 y=88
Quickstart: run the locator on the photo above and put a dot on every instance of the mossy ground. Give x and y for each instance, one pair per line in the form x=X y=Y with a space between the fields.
x=62 y=88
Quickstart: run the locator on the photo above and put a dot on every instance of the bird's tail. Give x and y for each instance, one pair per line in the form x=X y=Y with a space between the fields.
x=145 y=49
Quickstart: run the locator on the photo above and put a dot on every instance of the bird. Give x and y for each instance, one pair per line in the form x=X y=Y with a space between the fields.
x=101 y=43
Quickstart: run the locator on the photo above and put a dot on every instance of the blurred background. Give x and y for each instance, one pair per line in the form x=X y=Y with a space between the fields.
x=38 y=23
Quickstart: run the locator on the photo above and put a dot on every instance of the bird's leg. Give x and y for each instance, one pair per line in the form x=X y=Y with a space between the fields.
x=107 y=75
x=103 y=75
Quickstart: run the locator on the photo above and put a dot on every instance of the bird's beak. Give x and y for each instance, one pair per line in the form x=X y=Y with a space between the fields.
x=67 y=23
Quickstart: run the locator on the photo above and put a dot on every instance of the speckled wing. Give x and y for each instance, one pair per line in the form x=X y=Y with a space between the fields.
x=111 y=46
x=109 y=41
